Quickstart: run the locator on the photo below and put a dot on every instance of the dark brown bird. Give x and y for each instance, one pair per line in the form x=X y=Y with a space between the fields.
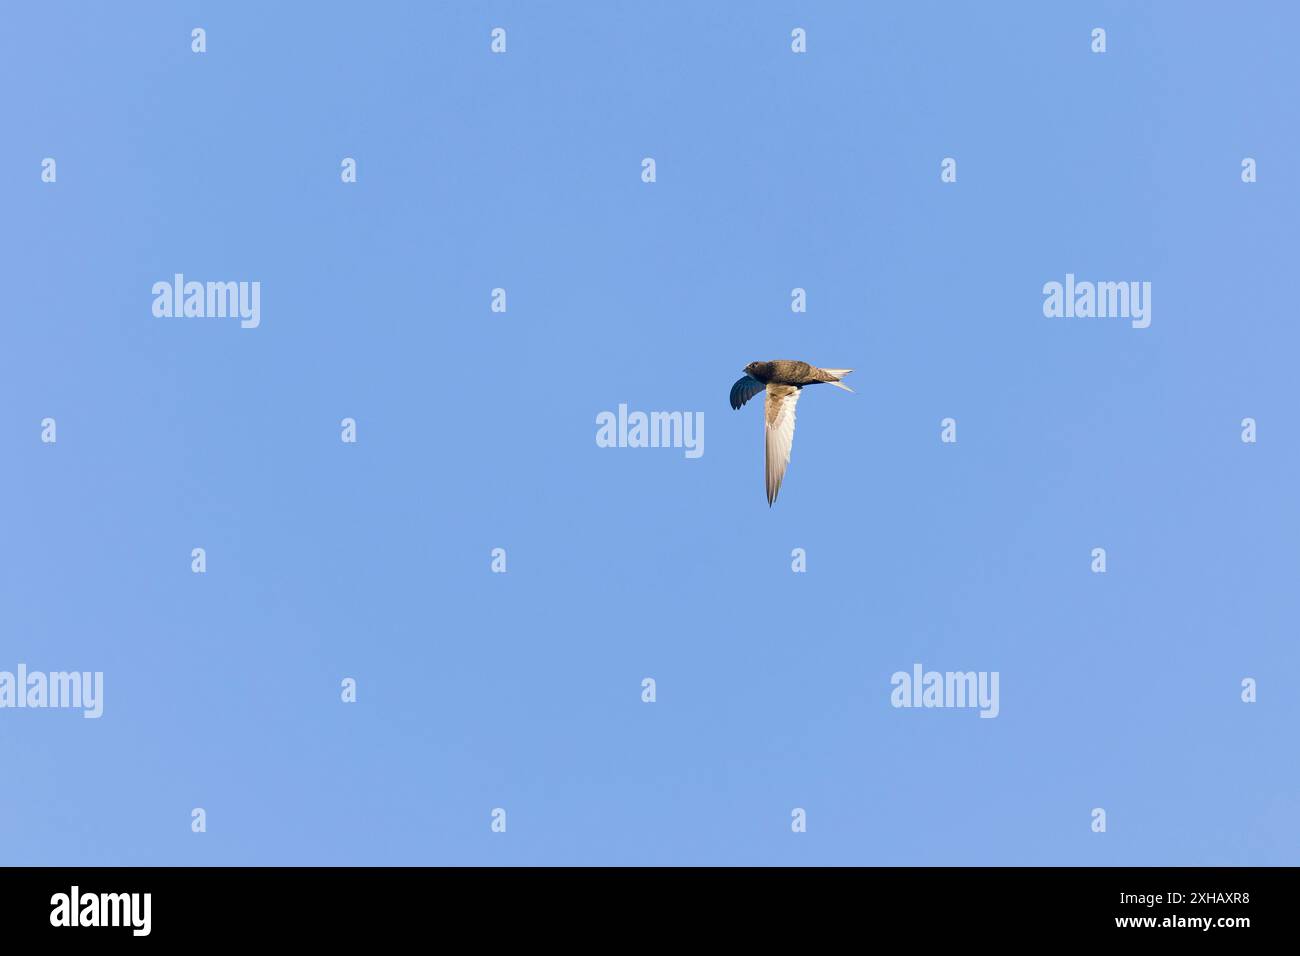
x=783 y=380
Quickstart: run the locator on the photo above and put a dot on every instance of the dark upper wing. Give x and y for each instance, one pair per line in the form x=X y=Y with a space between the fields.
x=744 y=390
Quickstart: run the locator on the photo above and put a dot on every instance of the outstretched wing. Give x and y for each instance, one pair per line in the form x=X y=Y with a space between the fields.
x=744 y=390
x=781 y=400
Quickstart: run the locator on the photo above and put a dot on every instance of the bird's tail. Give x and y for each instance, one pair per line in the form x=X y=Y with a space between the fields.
x=839 y=373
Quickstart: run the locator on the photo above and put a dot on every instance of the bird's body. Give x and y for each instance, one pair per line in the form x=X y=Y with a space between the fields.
x=786 y=372
x=783 y=380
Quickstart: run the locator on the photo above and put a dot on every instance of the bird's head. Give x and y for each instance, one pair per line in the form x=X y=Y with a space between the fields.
x=753 y=367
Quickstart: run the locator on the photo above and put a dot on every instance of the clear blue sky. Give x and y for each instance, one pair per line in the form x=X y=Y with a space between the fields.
x=476 y=431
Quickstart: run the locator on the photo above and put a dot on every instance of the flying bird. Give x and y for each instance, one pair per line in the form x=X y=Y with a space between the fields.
x=783 y=380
